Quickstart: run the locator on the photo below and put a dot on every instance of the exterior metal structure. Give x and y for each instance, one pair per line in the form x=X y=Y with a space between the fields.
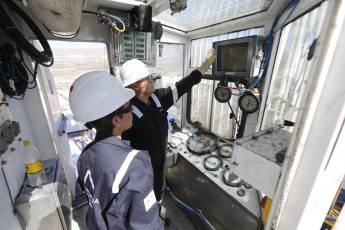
x=48 y=207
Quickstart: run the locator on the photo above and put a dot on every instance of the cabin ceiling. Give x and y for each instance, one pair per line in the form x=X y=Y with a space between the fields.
x=198 y=13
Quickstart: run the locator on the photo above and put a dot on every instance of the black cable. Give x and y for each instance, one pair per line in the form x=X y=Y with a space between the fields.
x=89 y=12
x=16 y=36
x=14 y=78
x=20 y=70
x=234 y=114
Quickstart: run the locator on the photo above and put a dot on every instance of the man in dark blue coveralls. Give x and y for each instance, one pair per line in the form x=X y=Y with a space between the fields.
x=117 y=179
x=150 y=125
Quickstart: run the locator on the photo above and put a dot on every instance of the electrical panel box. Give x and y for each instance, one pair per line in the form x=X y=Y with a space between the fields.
x=138 y=19
x=135 y=45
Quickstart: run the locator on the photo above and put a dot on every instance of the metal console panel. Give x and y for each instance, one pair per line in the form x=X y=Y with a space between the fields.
x=205 y=190
x=259 y=158
x=48 y=207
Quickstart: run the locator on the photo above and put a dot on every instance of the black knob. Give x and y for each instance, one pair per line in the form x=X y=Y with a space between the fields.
x=241 y=192
x=247 y=186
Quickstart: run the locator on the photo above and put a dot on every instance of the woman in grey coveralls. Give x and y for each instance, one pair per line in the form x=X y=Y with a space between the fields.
x=117 y=179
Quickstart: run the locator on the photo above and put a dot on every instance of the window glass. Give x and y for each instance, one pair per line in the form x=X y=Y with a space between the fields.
x=169 y=65
x=72 y=59
x=291 y=68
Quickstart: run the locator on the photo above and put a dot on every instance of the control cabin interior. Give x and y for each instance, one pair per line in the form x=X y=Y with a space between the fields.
x=269 y=111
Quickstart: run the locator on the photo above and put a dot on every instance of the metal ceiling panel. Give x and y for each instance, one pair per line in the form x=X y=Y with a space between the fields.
x=200 y=14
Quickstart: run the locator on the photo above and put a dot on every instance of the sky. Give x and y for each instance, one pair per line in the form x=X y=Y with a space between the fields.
x=75 y=45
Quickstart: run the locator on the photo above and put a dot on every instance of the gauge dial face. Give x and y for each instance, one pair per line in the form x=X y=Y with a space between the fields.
x=213 y=162
x=222 y=94
x=202 y=143
x=248 y=103
x=225 y=150
x=235 y=183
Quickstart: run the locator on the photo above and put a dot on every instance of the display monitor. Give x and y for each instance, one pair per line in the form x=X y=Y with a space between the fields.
x=235 y=57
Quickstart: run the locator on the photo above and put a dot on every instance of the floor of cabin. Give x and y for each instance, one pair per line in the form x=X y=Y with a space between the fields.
x=78 y=140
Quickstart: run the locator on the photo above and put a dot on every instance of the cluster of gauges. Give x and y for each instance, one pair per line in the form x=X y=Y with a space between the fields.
x=203 y=142
x=248 y=102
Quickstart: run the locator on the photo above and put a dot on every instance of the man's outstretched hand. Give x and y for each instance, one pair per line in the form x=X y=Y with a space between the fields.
x=211 y=55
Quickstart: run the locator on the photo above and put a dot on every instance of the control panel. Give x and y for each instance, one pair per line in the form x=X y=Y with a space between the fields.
x=211 y=156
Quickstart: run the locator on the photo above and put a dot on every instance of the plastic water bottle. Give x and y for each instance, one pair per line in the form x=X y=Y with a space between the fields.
x=35 y=171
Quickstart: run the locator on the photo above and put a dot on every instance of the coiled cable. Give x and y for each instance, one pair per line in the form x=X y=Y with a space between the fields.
x=13 y=76
x=17 y=37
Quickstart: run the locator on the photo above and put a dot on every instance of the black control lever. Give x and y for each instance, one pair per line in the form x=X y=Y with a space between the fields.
x=175 y=128
x=156 y=77
x=288 y=123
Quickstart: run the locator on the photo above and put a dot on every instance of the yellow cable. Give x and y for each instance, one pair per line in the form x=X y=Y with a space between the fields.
x=115 y=27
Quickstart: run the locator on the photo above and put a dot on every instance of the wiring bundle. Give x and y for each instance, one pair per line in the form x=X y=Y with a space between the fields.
x=293 y=4
x=14 y=78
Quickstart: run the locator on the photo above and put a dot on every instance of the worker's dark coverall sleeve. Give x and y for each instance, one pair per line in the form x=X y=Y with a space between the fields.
x=150 y=126
x=127 y=202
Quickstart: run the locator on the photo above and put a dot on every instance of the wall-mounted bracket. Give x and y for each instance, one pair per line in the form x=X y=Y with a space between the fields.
x=8 y=131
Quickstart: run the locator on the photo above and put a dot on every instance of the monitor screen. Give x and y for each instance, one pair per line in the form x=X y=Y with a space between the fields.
x=232 y=57
x=235 y=57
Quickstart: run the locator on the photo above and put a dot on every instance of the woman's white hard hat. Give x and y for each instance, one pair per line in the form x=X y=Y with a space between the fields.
x=96 y=94
x=132 y=71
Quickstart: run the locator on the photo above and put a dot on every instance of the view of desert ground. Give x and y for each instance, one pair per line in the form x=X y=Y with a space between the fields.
x=71 y=63
x=71 y=59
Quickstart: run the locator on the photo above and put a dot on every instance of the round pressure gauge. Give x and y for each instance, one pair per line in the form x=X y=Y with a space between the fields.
x=222 y=94
x=213 y=162
x=202 y=143
x=225 y=150
x=248 y=103
x=234 y=183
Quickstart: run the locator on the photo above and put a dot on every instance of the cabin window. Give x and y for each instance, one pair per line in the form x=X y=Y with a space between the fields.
x=72 y=59
x=213 y=115
x=291 y=68
x=169 y=65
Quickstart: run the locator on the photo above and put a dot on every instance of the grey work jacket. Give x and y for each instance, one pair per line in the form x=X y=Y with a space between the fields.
x=119 y=184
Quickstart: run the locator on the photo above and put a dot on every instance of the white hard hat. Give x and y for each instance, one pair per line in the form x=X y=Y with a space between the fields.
x=96 y=94
x=132 y=71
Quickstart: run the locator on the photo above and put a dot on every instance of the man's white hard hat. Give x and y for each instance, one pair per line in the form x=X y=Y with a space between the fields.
x=96 y=94
x=132 y=71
